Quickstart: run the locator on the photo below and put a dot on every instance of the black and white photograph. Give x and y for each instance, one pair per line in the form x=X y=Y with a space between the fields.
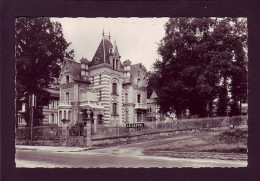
x=145 y=92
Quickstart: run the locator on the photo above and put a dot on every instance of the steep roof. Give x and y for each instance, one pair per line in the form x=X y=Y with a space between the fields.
x=153 y=96
x=75 y=70
x=134 y=69
x=54 y=92
x=102 y=53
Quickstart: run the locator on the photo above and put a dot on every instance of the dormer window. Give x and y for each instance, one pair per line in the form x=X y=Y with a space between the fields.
x=83 y=66
x=67 y=79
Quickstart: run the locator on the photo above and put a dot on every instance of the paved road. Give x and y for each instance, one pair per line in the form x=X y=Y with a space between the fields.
x=129 y=155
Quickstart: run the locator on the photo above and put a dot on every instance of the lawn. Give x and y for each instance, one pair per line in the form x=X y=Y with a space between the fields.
x=227 y=145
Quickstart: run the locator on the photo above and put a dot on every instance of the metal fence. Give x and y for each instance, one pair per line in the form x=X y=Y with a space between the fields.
x=178 y=125
x=55 y=132
x=39 y=133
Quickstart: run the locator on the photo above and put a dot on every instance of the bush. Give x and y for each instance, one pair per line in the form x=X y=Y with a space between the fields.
x=76 y=130
x=233 y=136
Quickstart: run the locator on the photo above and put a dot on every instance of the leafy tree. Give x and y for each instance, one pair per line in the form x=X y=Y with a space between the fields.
x=200 y=58
x=40 y=50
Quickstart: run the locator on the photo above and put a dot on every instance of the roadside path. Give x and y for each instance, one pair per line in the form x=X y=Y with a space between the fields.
x=128 y=155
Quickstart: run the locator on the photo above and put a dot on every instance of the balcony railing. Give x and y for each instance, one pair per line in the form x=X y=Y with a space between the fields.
x=90 y=103
x=64 y=103
x=141 y=106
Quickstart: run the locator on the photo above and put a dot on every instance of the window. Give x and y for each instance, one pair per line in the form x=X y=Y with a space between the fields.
x=99 y=79
x=67 y=96
x=114 y=108
x=126 y=116
x=126 y=98
x=117 y=65
x=114 y=91
x=93 y=78
x=83 y=73
x=113 y=63
x=55 y=104
x=83 y=66
x=52 y=118
x=138 y=82
x=150 y=109
x=67 y=79
x=50 y=105
x=138 y=98
x=100 y=94
x=23 y=106
x=68 y=115
x=60 y=115
x=139 y=116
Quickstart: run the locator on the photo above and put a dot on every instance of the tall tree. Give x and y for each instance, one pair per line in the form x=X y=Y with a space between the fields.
x=198 y=63
x=40 y=50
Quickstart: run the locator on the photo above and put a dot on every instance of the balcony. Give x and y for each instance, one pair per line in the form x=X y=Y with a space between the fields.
x=64 y=104
x=92 y=104
x=141 y=106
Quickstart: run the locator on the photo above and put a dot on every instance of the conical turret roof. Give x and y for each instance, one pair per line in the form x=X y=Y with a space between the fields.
x=102 y=53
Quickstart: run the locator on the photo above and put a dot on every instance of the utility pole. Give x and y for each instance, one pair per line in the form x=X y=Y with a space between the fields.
x=32 y=105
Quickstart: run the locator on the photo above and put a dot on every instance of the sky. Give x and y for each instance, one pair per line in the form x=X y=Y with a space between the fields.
x=136 y=38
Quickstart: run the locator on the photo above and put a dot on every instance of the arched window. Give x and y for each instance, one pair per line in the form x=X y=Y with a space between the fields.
x=67 y=96
x=138 y=98
x=114 y=88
